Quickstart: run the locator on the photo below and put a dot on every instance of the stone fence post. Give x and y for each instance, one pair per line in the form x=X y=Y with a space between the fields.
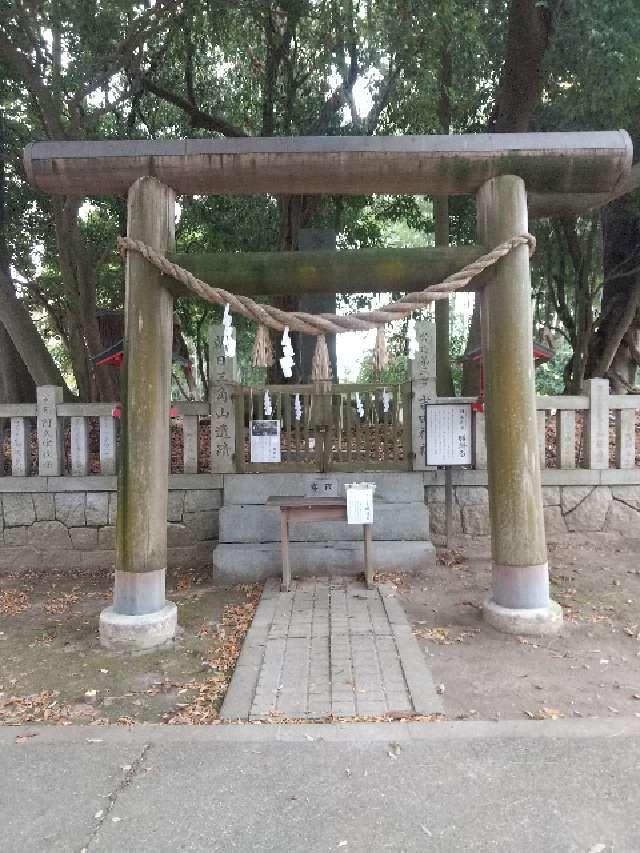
x=20 y=448
x=49 y=432
x=223 y=378
x=596 y=432
x=479 y=442
x=422 y=371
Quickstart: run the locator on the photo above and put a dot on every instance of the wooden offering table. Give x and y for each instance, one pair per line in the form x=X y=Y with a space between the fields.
x=315 y=509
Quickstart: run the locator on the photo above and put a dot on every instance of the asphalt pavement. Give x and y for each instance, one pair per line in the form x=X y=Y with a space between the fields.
x=554 y=785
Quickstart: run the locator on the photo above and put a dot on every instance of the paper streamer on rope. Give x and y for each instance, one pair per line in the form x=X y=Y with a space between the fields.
x=359 y=405
x=412 y=339
x=286 y=362
x=386 y=399
x=268 y=409
x=262 y=355
x=297 y=407
x=228 y=338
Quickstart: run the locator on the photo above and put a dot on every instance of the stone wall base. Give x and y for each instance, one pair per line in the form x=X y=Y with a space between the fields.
x=76 y=529
x=567 y=509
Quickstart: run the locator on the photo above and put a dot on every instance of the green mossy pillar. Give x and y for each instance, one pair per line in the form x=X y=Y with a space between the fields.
x=519 y=600
x=140 y=616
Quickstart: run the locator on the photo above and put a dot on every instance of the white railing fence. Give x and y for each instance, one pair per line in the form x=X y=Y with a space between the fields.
x=52 y=438
x=594 y=431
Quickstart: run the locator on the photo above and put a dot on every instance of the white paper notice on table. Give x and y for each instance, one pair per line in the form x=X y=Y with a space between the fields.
x=265 y=441
x=359 y=505
x=448 y=434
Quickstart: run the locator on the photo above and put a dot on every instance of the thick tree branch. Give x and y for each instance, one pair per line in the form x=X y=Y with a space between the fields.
x=16 y=320
x=197 y=117
x=145 y=27
x=634 y=352
x=23 y=72
x=382 y=98
x=619 y=330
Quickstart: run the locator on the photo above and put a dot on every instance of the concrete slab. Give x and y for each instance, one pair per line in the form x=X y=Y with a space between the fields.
x=392 y=486
x=249 y=523
x=55 y=799
x=510 y=786
x=247 y=562
x=329 y=651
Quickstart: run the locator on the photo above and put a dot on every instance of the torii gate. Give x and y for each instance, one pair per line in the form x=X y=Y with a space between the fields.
x=510 y=175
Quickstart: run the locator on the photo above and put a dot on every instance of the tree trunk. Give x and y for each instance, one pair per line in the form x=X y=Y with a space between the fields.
x=521 y=81
x=16 y=385
x=621 y=291
x=316 y=303
x=24 y=359
x=444 y=379
x=25 y=337
x=78 y=279
x=295 y=211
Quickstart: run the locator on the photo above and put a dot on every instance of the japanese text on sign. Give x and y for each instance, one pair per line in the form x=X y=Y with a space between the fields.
x=265 y=441
x=360 y=503
x=448 y=434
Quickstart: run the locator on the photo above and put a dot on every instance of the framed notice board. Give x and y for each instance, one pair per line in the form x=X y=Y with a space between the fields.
x=448 y=434
x=265 y=441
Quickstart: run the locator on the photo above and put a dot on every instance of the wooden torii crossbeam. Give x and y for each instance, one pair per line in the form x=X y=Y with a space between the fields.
x=508 y=174
x=554 y=163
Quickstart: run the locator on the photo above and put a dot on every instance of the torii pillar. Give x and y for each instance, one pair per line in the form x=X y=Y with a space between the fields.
x=141 y=617
x=519 y=600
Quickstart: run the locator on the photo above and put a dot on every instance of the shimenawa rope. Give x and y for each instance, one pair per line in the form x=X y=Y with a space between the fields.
x=320 y=324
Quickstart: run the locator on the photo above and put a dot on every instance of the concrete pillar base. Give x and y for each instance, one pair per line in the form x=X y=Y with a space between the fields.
x=534 y=621
x=125 y=632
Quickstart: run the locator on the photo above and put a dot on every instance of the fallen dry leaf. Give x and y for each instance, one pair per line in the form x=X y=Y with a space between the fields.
x=13 y=601
x=452 y=557
x=184 y=582
x=40 y=707
x=24 y=738
x=544 y=714
x=444 y=636
x=61 y=603
x=228 y=637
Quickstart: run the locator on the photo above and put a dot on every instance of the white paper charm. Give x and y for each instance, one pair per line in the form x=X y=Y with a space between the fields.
x=412 y=339
x=286 y=362
x=359 y=405
x=268 y=410
x=228 y=337
x=297 y=407
x=386 y=399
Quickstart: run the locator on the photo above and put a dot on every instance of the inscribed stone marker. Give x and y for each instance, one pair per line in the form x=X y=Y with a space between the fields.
x=222 y=377
x=49 y=431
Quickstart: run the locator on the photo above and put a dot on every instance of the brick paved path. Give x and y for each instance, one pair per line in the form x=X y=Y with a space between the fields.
x=330 y=647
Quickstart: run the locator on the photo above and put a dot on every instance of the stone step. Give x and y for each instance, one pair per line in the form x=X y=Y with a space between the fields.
x=397 y=521
x=392 y=486
x=246 y=562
